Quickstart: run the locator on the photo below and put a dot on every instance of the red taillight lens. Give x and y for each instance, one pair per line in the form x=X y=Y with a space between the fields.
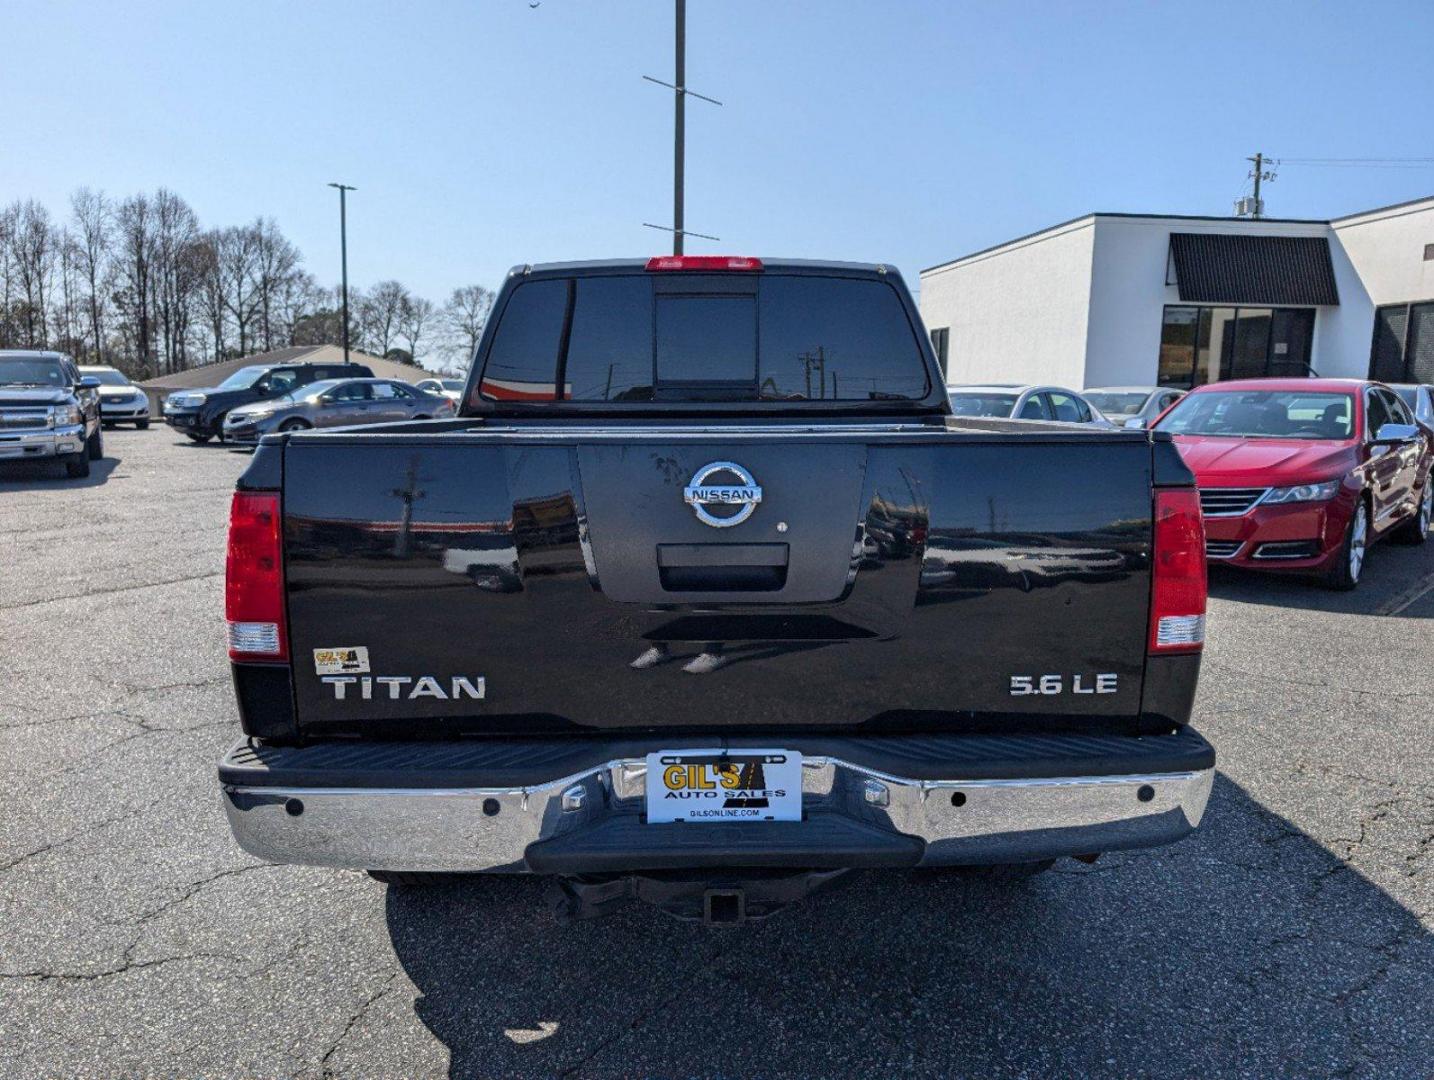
x=254 y=579
x=1178 y=588
x=703 y=262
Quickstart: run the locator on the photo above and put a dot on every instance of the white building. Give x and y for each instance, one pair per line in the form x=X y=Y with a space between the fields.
x=1138 y=299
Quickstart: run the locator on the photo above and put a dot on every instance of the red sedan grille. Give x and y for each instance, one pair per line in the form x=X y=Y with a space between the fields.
x=1229 y=502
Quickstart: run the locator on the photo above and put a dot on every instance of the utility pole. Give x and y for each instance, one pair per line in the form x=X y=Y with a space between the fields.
x=679 y=131
x=344 y=189
x=679 y=127
x=1254 y=206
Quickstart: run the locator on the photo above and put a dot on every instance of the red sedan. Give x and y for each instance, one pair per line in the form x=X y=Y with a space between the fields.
x=1302 y=475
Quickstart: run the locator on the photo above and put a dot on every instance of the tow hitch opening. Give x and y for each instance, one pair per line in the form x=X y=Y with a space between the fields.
x=724 y=907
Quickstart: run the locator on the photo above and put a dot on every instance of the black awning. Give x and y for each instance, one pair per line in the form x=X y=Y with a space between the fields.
x=1224 y=268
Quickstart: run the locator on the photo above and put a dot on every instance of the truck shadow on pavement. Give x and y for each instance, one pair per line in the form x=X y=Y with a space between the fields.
x=50 y=475
x=1247 y=949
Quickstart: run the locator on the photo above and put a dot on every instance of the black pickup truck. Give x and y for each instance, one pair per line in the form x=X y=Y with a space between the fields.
x=704 y=599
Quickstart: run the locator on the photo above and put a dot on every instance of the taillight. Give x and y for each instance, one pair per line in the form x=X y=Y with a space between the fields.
x=1178 y=588
x=254 y=579
x=703 y=262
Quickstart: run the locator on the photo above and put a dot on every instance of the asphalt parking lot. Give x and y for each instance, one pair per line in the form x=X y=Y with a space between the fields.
x=1290 y=937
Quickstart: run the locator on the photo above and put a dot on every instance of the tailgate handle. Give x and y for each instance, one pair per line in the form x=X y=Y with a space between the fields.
x=722 y=567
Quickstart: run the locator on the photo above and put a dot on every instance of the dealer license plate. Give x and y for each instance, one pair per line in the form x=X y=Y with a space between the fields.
x=724 y=785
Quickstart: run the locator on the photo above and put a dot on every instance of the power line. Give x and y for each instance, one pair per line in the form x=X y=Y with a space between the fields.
x=1358 y=163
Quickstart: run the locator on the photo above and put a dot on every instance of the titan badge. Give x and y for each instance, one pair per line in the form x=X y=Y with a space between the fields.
x=745 y=494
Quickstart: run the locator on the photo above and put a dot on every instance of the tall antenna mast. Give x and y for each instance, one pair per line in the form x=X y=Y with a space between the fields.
x=679 y=130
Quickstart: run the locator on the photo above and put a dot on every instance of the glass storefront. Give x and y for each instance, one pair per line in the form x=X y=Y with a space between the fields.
x=1201 y=345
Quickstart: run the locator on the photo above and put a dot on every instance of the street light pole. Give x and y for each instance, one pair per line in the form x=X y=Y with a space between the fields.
x=344 y=189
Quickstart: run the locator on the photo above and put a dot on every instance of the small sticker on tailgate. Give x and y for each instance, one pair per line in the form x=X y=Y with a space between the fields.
x=349 y=660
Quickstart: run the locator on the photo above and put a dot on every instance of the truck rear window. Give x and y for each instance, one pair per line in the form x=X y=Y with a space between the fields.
x=643 y=337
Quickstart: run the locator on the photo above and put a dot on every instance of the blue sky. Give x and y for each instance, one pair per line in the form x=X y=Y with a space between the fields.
x=485 y=133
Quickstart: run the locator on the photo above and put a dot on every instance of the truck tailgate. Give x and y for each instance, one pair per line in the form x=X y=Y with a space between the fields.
x=891 y=577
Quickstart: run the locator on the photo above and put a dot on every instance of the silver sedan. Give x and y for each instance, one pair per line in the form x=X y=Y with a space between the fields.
x=334 y=403
x=1017 y=401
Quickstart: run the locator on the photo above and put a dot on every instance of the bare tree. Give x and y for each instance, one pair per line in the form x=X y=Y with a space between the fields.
x=296 y=297
x=463 y=318
x=66 y=317
x=134 y=256
x=413 y=320
x=379 y=315
x=276 y=265
x=238 y=261
x=92 y=215
x=177 y=266
x=32 y=247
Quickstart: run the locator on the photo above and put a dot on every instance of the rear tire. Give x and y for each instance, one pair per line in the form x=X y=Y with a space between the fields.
x=142 y=425
x=198 y=438
x=95 y=445
x=1416 y=529
x=77 y=466
x=1345 y=573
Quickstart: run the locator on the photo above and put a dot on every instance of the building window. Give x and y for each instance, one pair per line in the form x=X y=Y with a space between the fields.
x=1403 y=349
x=941 y=342
x=1201 y=345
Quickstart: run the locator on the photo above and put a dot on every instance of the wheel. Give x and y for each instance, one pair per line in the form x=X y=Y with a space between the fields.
x=95 y=445
x=1344 y=575
x=77 y=465
x=107 y=424
x=198 y=438
x=1416 y=529
x=413 y=878
x=141 y=425
x=295 y=425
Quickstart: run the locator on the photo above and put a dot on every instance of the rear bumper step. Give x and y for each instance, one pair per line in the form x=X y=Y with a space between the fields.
x=890 y=801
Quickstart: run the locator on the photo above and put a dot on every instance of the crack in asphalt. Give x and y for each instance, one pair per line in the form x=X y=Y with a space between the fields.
x=1305 y=684
x=79 y=834
x=127 y=966
x=191 y=890
x=89 y=594
x=357 y=1015
x=664 y=1003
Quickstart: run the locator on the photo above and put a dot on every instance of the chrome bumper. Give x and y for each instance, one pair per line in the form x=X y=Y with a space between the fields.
x=491 y=829
x=50 y=442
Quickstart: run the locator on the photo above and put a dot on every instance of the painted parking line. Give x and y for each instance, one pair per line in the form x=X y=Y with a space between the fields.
x=1416 y=592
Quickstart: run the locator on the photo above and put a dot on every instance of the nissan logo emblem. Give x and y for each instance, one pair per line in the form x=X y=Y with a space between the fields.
x=741 y=494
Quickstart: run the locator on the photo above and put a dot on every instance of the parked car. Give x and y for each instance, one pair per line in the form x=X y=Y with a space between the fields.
x=200 y=413
x=452 y=389
x=48 y=410
x=1302 y=475
x=121 y=401
x=617 y=630
x=334 y=403
x=1133 y=406
x=1420 y=399
x=1019 y=402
